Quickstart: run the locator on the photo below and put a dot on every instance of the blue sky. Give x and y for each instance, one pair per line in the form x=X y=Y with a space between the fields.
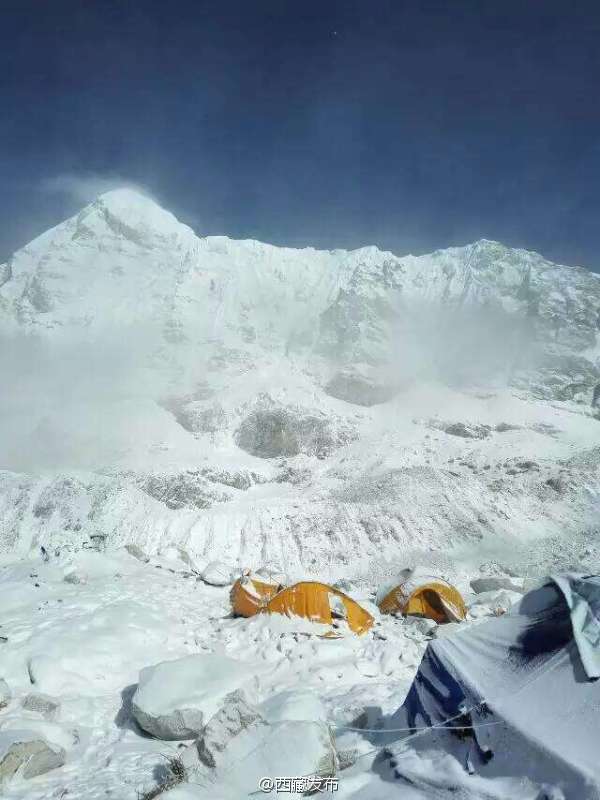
x=410 y=125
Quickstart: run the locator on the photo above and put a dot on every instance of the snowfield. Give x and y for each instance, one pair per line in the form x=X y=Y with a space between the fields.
x=170 y=401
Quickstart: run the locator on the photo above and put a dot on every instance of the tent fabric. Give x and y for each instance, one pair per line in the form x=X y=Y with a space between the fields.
x=520 y=681
x=582 y=596
x=320 y=603
x=422 y=595
x=251 y=592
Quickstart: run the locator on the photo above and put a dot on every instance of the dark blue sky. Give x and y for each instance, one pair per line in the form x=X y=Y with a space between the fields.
x=409 y=124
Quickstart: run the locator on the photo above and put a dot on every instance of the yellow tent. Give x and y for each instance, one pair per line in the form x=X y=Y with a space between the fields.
x=320 y=603
x=422 y=595
x=251 y=593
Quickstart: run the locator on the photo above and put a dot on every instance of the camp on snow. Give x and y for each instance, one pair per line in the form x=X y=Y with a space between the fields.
x=412 y=593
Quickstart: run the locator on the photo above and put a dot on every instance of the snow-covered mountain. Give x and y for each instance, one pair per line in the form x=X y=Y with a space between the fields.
x=322 y=409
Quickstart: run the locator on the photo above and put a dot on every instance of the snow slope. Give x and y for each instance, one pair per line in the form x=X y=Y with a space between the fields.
x=261 y=403
x=338 y=415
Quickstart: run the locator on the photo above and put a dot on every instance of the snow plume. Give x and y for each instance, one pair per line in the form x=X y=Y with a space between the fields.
x=77 y=405
x=460 y=345
x=87 y=187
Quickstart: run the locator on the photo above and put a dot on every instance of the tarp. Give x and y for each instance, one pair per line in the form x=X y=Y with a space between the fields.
x=582 y=595
x=520 y=681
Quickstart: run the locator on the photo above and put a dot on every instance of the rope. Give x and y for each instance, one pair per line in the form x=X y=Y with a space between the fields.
x=413 y=734
x=417 y=730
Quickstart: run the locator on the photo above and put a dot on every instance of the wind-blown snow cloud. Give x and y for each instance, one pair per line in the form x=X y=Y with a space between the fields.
x=86 y=187
x=76 y=404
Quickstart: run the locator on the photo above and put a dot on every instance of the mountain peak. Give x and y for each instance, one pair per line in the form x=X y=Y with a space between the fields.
x=125 y=197
x=131 y=213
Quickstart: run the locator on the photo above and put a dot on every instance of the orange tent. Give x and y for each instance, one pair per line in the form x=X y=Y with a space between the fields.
x=423 y=596
x=251 y=593
x=320 y=603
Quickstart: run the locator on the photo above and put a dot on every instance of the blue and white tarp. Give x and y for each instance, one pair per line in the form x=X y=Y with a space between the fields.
x=516 y=696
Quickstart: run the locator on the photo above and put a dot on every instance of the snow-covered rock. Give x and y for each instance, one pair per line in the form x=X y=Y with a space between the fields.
x=234 y=716
x=218 y=573
x=424 y=625
x=76 y=577
x=48 y=707
x=54 y=675
x=494 y=602
x=273 y=573
x=282 y=749
x=25 y=754
x=301 y=704
x=495 y=582
x=5 y=693
x=137 y=552
x=175 y=699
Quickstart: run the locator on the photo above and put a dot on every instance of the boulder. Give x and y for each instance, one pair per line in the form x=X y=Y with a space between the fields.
x=282 y=749
x=348 y=745
x=25 y=753
x=242 y=743
x=217 y=574
x=493 y=583
x=41 y=704
x=424 y=625
x=51 y=676
x=493 y=603
x=234 y=716
x=174 y=699
x=5 y=693
x=302 y=705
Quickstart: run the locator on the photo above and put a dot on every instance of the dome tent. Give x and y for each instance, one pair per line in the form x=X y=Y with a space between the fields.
x=416 y=593
x=320 y=602
x=252 y=591
x=512 y=699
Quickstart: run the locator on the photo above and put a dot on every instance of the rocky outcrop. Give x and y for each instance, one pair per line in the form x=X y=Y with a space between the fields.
x=188 y=489
x=462 y=429
x=285 y=431
x=360 y=386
